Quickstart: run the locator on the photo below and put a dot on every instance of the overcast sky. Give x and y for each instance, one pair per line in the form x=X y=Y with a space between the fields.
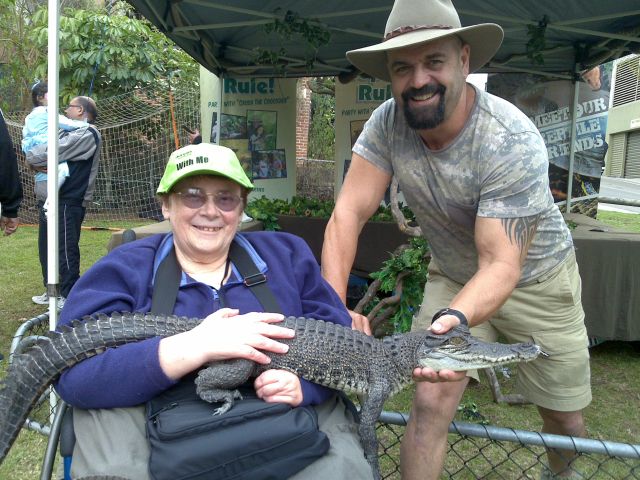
x=478 y=79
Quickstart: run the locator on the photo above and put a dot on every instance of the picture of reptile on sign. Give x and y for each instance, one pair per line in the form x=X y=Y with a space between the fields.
x=322 y=352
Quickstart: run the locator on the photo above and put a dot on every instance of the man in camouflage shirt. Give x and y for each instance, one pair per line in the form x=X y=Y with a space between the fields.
x=473 y=168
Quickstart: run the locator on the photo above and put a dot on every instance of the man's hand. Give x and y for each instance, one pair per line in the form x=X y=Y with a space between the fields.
x=425 y=374
x=9 y=225
x=360 y=322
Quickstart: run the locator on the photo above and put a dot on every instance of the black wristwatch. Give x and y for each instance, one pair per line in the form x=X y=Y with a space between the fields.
x=451 y=311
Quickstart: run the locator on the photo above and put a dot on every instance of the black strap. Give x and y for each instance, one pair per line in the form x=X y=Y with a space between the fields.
x=253 y=279
x=165 y=286
x=450 y=311
x=167 y=281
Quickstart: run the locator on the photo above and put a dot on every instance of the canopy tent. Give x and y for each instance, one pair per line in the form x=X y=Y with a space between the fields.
x=223 y=36
x=277 y=38
x=233 y=39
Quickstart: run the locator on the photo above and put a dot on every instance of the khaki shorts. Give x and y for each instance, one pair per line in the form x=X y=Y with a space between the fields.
x=548 y=312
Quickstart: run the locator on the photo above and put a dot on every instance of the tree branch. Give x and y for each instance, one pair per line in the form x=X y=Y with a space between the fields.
x=403 y=225
x=390 y=303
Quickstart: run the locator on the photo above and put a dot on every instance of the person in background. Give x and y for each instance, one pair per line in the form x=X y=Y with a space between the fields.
x=593 y=77
x=473 y=168
x=193 y=135
x=10 y=184
x=257 y=140
x=35 y=132
x=276 y=164
x=80 y=148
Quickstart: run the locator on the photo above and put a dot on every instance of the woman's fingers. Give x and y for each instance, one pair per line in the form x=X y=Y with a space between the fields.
x=279 y=386
x=224 y=334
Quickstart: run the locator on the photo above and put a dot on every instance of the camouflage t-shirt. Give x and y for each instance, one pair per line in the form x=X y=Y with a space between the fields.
x=496 y=167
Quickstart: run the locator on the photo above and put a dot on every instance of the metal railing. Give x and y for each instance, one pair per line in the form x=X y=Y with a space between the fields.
x=485 y=451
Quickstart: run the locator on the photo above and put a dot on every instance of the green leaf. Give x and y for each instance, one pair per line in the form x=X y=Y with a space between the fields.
x=128 y=51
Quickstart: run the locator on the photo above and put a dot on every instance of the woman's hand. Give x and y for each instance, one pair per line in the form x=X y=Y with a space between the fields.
x=222 y=335
x=279 y=386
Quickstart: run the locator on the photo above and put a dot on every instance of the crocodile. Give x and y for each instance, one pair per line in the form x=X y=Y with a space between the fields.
x=321 y=352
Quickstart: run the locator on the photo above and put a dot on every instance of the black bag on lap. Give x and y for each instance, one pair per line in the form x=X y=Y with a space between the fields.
x=253 y=440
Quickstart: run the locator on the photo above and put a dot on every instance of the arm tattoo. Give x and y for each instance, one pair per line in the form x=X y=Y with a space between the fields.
x=520 y=230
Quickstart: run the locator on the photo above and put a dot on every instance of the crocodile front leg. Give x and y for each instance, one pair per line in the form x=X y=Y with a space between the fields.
x=218 y=381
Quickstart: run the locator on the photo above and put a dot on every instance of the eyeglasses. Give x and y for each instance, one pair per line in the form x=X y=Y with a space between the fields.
x=195 y=198
x=74 y=106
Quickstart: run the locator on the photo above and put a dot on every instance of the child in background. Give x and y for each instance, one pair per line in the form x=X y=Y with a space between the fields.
x=35 y=129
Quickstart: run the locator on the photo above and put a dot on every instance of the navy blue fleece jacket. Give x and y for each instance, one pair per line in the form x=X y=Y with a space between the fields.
x=123 y=281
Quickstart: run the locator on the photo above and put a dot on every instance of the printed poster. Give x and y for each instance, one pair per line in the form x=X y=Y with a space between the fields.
x=548 y=104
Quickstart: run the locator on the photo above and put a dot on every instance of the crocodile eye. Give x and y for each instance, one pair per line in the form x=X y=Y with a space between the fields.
x=457 y=341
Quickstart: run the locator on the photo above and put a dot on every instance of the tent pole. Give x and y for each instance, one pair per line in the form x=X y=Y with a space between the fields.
x=52 y=161
x=219 y=109
x=52 y=172
x=572 y=137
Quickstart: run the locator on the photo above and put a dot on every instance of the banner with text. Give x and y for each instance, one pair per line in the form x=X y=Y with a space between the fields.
x=548 y=103
x=258 y=122
x=355 y=102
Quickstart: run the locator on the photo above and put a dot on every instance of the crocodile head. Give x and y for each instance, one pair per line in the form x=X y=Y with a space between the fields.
x=458 y=350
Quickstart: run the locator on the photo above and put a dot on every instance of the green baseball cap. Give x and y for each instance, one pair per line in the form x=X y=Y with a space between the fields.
x=202 y=159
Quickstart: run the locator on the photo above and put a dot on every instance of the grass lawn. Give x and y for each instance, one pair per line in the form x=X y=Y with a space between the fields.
x=621 y=221
x=21 y=279
x=615 y=365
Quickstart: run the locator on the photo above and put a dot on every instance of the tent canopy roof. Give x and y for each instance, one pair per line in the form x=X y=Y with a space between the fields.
x=223 y=35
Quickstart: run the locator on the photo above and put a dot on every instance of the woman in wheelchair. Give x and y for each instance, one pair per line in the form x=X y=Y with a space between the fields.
x=120 y=428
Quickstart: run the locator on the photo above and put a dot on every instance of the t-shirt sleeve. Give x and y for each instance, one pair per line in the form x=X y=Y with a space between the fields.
x=374 y=143
x=515 y=182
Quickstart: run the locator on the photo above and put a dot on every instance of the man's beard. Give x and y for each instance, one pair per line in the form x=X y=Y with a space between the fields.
x=423 y=118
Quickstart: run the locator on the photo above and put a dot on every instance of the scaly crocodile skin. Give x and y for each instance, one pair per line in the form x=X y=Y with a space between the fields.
x=321 y=352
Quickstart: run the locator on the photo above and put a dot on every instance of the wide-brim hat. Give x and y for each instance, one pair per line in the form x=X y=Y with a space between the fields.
x=202 y=159
x=413 y=22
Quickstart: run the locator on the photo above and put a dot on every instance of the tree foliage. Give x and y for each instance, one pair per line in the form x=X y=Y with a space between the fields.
x=267 y=210
x=411 y=263
x=323 y=113
x=289 y=25
x=118 y=52
x=18 y=56
x=112 y=49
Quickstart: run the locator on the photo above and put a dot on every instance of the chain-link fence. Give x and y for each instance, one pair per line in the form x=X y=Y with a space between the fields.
x=489 y=452
x=139 y=131
x=475 y=451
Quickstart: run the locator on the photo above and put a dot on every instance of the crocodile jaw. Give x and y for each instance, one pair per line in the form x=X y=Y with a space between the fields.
x=459 y=351
x=449 y=361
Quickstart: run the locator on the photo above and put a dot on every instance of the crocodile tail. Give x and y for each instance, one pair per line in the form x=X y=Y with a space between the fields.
x=31 y=372
x=26 y=380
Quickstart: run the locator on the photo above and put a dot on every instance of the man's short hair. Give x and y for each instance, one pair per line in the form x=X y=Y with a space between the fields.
x=89 y=106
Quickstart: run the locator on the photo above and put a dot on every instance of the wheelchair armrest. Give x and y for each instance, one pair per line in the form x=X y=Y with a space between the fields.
x=67 y=434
